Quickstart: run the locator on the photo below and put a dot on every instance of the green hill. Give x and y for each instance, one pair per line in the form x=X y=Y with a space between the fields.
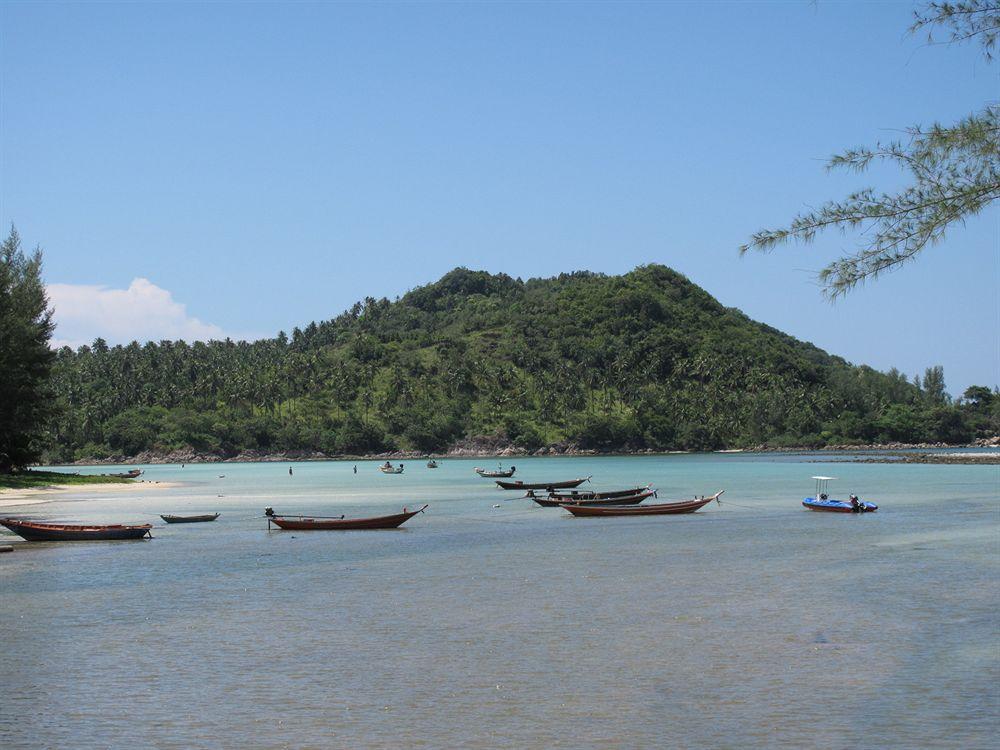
x=646 y=360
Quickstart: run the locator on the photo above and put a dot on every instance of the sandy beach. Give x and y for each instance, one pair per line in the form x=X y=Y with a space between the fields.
x=53 y=493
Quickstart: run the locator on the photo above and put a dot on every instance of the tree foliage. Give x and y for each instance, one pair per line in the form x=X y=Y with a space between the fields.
x=954 y=173
x=25 y=358
x=642 y=361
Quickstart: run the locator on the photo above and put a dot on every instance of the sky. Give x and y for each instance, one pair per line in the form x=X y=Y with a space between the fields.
x=235 y=169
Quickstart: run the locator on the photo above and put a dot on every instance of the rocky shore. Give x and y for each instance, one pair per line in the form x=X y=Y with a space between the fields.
x=492 y=447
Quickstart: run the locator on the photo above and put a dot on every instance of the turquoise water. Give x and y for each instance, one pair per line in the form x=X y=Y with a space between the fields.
x=751 y=623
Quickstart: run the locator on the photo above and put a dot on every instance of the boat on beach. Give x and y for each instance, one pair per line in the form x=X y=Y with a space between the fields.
x=496 y=473
x=339 y=523
x=662 y=509
x=822 y=501
x=34 y=531
x=558 y=502
x=191 y=519
x=519 y=485
x=131 y=474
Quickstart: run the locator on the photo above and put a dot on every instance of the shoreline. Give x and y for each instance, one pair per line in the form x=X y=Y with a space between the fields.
x=10 y=497
x=885 y=453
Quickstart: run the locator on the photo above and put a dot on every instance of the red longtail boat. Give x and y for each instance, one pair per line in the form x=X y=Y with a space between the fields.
x=339 y=523
x=35 y=531
x=663 y=509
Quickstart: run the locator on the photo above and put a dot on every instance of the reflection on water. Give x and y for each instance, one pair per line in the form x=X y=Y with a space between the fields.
x=751 y=623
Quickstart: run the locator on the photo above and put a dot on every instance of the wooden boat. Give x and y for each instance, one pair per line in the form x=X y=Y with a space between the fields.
x=575 y=495
x=663 y=509
x=131 y=474
x=519 y=485
x=495 y=473
x=191 y=519
x=388 y=468
x=432 y=464
x=339 y=523
x=822 y=501
x=35 y=531
x=550 y=502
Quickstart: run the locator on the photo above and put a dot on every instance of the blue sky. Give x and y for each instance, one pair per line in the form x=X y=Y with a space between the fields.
x=197 y=170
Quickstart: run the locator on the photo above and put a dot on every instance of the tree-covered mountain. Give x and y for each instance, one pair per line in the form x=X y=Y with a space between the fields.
x=644 y=360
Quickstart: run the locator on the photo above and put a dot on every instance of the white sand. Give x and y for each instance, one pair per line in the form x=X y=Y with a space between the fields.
x=35 y=495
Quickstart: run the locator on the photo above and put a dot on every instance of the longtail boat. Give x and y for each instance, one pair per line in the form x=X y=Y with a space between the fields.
x=495 y=473
x=519 y=485
x=191 y=519
x=663 y=509
x=131 y=474
x=575 y=495
x=548 y=502
x=34 y=531
x=823 y=502
x=339 y=523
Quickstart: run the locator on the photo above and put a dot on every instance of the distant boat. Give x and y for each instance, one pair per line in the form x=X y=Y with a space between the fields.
x=663 y=509
x=339 y=523
x=565 y=484
x=34 y=531
x=131 y=474
x=557 y=502
x=575 y=495
x=498 y=472
x=387 y=468
x=822 y=502
x=191 y=519
x=431 y=463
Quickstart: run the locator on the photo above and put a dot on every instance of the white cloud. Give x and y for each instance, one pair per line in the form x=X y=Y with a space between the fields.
x=143 y=312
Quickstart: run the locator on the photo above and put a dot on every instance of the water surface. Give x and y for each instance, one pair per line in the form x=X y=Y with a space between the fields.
x=751 y=623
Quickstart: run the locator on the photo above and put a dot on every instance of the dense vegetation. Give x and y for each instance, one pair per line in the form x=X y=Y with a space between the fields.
x=26 y=401
x=645 y=360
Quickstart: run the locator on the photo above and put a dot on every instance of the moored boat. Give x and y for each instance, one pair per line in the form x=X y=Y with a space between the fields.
x=823 y=502
x=495 y=473
x=339 y=523
x=131 y=474
x=557 y=502
x=565 y=484
x=576 y=495
x=35 y=531
x=191 y=519
x=662 y=509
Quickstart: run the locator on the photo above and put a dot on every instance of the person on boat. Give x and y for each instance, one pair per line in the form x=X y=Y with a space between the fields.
x=856 y=506
x=823 y=496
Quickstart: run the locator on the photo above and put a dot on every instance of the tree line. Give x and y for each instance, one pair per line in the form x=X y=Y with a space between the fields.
x=647 y=360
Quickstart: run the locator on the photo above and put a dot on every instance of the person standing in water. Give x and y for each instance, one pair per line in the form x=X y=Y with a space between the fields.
x=355 y=468
x=289 y=471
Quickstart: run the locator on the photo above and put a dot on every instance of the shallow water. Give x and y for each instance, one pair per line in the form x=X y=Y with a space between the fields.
x=751 y=623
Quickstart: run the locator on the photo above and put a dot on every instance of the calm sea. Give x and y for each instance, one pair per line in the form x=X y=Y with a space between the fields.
x=752 y=623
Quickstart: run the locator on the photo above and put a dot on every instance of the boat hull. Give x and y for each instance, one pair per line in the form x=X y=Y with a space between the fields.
x=191 y=519
x=494 y=474
x=344 y=524
x=837 y=506
x=518 y=485
x=662 y=509
x=574 y=496
x=58 y=532
x=606 y=501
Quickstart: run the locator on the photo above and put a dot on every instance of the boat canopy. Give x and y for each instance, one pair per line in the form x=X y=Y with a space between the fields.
x=824 y=479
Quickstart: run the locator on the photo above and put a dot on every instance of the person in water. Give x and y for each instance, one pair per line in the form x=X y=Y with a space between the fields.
x=289 y=471
x=355 y=469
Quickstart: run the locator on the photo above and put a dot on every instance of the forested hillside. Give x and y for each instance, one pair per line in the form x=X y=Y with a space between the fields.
x=644 y=360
